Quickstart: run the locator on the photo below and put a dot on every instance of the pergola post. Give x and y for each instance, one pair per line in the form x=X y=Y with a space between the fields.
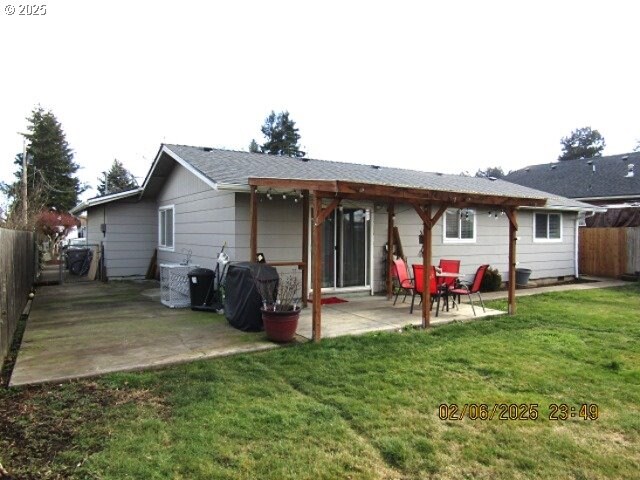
x=389 y=282
x=253 y=220
x=426 y=272
x=316 y=269
x=319 y=216
x=305 y=247
x=513 y=230
x=427 y=242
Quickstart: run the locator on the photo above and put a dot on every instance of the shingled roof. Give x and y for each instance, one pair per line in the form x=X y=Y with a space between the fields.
x=591 y=178
x=234 y=168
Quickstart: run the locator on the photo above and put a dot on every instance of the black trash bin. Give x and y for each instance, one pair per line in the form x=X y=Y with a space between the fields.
x=79 y=260
x=201 y=287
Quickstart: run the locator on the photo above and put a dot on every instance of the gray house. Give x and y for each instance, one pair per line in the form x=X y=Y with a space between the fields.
x=197 y=199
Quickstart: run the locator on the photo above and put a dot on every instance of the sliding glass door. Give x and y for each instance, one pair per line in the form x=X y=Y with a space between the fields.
x=346 y=248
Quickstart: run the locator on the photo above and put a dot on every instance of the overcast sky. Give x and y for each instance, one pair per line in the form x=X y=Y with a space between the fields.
x=437 y=86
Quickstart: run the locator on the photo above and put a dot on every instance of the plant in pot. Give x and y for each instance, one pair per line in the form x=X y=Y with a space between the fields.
x=280 y=308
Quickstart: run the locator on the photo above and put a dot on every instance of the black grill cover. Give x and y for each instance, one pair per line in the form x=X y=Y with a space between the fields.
x=242 y=301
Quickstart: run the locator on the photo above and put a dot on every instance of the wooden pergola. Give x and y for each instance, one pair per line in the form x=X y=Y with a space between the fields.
x=335 y=191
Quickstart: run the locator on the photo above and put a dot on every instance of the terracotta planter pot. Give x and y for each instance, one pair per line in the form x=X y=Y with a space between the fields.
x=280 y=326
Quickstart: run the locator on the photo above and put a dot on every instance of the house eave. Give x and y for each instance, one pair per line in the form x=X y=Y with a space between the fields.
x=93 y=202
x=164 y=150
x=608 y=197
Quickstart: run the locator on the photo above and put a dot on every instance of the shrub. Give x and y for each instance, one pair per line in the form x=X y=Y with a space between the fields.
x=492 y=280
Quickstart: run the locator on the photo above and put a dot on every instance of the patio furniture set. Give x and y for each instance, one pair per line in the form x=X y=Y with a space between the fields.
x=445 y=283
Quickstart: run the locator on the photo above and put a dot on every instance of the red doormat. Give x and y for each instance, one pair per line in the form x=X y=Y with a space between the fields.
x=330 y=300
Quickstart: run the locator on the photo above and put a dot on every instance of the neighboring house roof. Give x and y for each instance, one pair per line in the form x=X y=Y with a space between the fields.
x=95 y=201
x=599 y=178
x=232 y=169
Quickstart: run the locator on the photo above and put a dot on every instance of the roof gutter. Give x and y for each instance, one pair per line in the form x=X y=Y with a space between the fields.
x=233 y=187
x=592 y=209
x=616 y=197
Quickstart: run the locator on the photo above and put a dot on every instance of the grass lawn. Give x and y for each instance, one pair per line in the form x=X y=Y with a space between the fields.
x=360 y=407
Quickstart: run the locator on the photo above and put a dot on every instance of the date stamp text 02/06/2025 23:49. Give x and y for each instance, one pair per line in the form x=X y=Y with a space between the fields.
x=517 y=411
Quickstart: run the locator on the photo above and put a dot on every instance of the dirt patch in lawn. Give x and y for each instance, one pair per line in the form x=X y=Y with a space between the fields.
x=47 y=431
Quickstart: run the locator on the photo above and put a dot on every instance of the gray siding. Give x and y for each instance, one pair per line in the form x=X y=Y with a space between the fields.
x=279 y=228
x=546 y=260
x=130 y=238
x=95 y=217
x=204 y=219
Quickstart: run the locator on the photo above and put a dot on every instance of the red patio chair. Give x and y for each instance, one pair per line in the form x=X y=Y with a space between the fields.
x=474 y=287
x=418 y=289
x=449 y=266
x=404 y=282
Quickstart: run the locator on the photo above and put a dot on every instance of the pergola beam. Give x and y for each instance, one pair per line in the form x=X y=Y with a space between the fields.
x=321 y=215
x=360 y=190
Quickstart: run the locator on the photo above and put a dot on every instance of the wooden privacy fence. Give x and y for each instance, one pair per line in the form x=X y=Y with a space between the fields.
x=18 y=268
x=609 y=252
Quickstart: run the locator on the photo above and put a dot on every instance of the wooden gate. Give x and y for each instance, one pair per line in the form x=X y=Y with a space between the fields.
x=609 y=252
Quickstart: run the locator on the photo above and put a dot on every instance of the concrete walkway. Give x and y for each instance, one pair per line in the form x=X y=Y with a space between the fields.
x=91 y=328
x=85 y=329
x=589 y=283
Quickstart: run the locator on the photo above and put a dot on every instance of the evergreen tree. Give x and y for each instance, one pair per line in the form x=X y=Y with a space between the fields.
x=491 y=172
x=117 y=179
x=254 y=147
x=582 y=143
x=282 y=136
x=50 y=165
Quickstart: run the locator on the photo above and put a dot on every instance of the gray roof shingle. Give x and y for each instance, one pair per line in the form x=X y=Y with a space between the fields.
x=584 y=178
x=235 y=168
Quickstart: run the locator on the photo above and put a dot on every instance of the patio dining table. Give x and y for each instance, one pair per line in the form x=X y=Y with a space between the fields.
x=444 y=291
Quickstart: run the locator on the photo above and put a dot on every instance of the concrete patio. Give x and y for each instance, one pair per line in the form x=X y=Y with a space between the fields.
x=377 y=314
x=91 y=328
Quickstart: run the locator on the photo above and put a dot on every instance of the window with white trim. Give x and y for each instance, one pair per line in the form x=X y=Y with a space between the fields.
x=547 y=227
x=460 y=226
x=166 y=219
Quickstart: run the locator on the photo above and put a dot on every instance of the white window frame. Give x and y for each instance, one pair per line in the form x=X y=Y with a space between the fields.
x=445 y=239
x=547 y=239
x=172 y=247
